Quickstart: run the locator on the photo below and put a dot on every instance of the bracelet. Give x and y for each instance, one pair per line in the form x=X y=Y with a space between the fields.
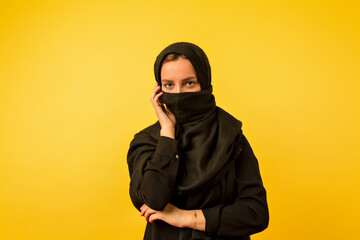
x=195 y=215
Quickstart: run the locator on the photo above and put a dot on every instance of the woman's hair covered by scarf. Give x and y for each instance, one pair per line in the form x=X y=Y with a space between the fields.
x=196 y=56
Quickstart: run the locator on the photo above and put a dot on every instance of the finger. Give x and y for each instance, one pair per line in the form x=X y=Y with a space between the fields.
x=154 y=217
x=144 y=208
x=142 y=212
x=157 y=98
x=148 y=213
x=156 y=89
x=158 y=104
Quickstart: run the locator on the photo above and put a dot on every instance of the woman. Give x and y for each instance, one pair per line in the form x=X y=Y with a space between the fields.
x=193 y=173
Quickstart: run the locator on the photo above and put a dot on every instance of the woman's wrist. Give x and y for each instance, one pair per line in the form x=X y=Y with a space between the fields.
x=195 y=219
x=189 y=219
x=168 y=132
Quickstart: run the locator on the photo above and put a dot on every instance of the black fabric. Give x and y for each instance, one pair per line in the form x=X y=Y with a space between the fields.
x=190 y=106
x=209 y=166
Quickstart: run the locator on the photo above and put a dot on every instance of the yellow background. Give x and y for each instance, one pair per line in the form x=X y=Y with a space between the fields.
x=75 y=83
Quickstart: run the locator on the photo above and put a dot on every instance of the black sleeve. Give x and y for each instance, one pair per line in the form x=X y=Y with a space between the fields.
x=249 y=213
x=153 y=167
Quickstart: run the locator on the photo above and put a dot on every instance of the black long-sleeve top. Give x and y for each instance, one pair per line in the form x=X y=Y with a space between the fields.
x=234 y=207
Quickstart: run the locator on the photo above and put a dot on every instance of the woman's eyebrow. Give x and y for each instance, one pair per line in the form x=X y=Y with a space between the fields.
x=185 y=79
x=188 y=78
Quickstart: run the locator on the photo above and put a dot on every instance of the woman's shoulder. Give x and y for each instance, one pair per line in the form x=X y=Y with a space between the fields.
x=148 y=137
x=152 y=131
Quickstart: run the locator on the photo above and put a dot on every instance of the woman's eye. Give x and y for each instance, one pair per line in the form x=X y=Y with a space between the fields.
x=167 y=85
x=190 y=83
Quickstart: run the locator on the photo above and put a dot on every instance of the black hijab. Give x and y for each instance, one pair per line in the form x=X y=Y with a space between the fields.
x=196 y=56
x=207 y=134
x=189 y=106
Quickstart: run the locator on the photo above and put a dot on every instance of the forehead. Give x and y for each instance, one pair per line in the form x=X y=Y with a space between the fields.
x=177 y=68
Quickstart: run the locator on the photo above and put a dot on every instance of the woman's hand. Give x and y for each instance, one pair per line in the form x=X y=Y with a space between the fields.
x=175 y=216
x=166 y=118
x=170 y=214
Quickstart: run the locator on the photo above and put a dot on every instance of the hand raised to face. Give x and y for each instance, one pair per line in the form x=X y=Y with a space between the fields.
x=166 y=118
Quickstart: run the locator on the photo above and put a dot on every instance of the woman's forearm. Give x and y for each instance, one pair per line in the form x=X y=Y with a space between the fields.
x=176 y=217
